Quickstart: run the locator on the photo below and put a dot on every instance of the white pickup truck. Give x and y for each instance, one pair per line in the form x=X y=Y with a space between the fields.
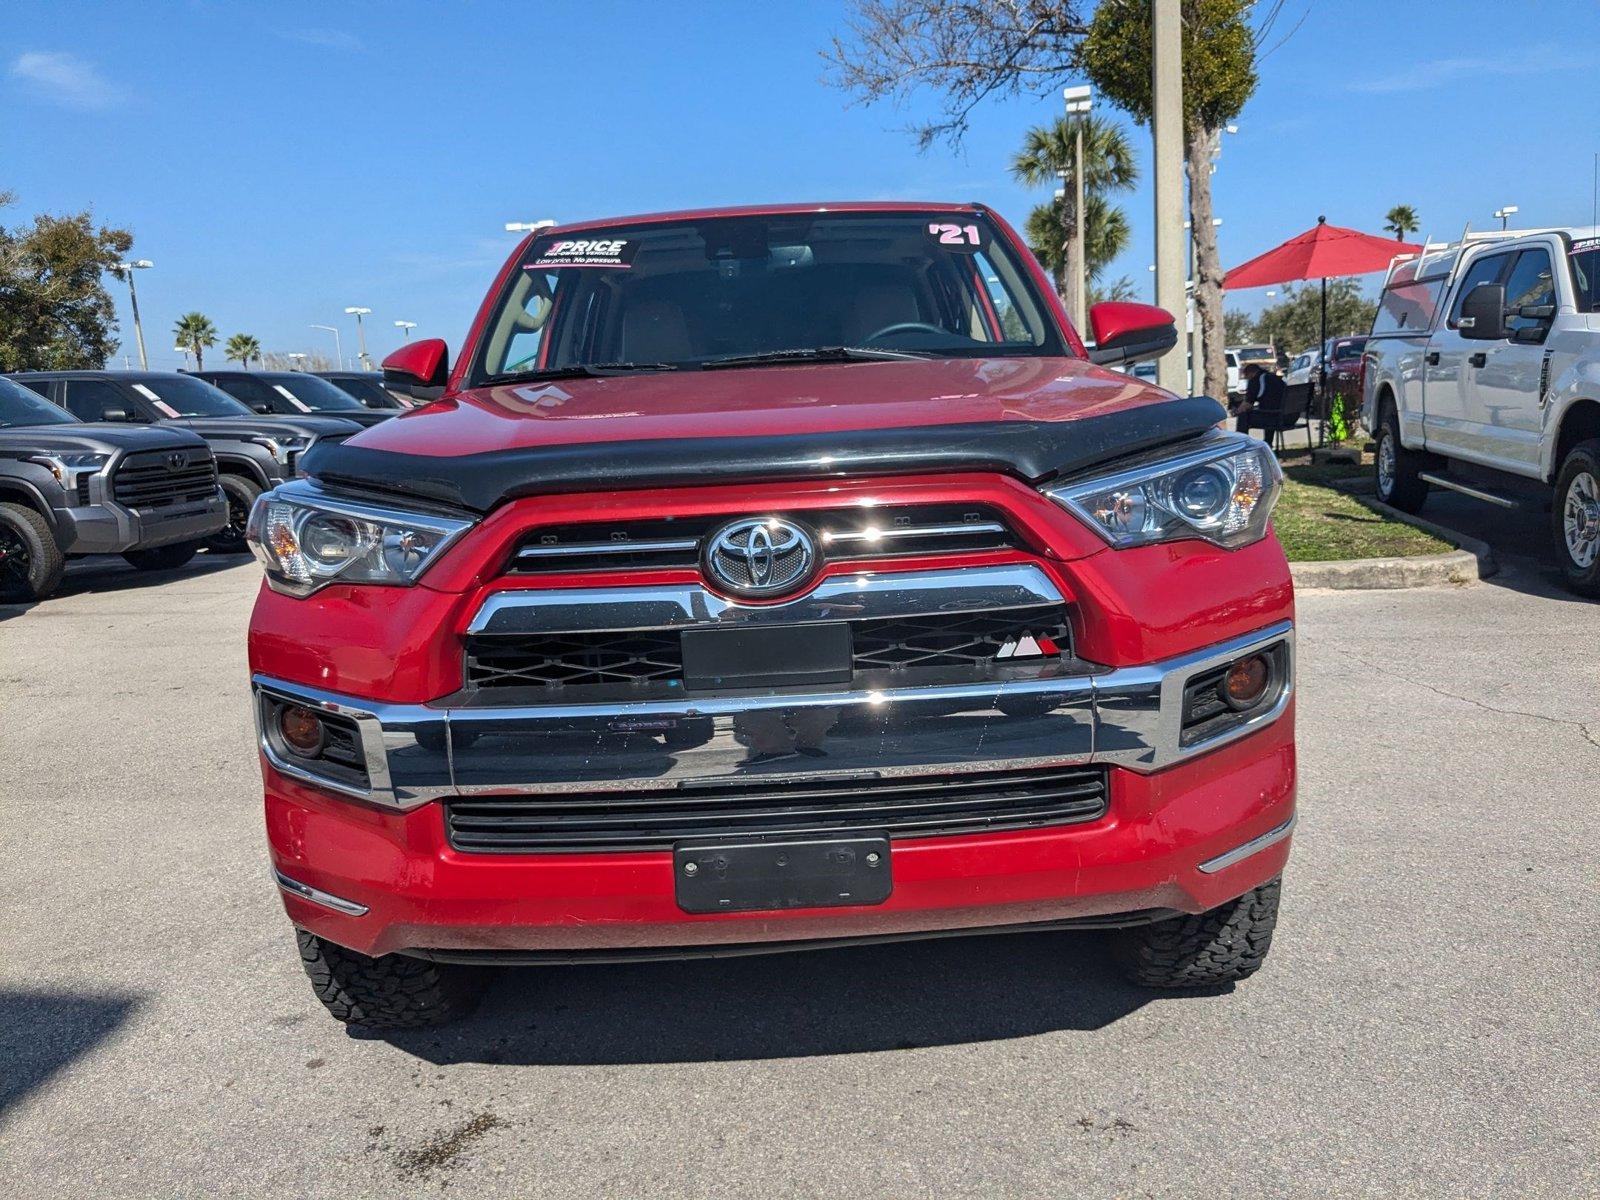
x=1482 y=375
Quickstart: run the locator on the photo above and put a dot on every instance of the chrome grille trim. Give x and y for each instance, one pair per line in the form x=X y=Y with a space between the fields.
x=575 y=548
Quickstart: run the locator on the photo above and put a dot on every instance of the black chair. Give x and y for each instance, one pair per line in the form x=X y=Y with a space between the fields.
x=1294 y=407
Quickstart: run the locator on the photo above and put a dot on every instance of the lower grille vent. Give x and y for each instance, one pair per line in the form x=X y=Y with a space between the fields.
x=922 y=806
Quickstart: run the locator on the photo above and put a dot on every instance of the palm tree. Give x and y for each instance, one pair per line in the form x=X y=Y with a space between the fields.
x=1401 y=220
x=1108 y=166
x=195 y=332
x=241 y=348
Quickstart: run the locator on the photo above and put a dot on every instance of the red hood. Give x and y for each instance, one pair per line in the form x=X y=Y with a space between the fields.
x=761 y=401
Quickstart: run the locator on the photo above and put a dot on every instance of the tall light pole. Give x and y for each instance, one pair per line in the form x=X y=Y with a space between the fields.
x=1078 y=102
x=126 y=270
x=337 y=352
x=405 y=328
x=299 y=361
x=1505 y=215
x=1167 y=122
x=361 y=333
x=528 y=226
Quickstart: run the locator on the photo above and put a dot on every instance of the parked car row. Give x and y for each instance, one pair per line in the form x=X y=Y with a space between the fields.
x=154 y=465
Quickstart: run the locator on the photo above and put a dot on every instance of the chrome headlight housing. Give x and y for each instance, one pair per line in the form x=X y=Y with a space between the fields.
x=67 y=467
x=1221 y=493
x=307 y=539
x=282 y=447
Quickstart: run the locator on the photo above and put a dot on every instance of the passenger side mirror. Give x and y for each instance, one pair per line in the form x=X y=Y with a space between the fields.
x=418 y=369
x=1483 y=313
x=261 y=406
x=1129 y=333
x=114 y=414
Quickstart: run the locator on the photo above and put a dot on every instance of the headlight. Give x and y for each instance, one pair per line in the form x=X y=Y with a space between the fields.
x=67 y=467
x=281 y=448
x=306 y=540
x=1222 y=493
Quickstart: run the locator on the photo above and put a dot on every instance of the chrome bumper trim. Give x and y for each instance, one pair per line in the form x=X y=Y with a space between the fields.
x=863 y=596
x=327 y=899
x=1129 y=716
x=1254 y=846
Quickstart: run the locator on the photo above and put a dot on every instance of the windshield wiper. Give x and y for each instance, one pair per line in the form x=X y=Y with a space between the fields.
x=580 y=370
x=811 y=355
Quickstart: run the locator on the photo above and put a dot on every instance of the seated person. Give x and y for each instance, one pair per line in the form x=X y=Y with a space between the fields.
x=1263 y=391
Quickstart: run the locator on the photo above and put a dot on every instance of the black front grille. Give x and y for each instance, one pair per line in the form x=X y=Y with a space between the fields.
x=149 y=479
x=857 y=532
x=653 y=660
x=920 y=806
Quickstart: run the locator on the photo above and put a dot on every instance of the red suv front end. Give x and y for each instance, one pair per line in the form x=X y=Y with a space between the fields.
x=768 y=579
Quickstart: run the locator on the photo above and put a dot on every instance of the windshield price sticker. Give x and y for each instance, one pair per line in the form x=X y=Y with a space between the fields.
x=1585 y=245
x=585 y=252
x=963 y=239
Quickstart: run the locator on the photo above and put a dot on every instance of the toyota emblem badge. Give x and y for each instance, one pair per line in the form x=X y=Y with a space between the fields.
x=760 y=556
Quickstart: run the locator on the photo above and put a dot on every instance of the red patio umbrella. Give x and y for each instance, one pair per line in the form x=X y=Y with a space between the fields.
x=1322 y=252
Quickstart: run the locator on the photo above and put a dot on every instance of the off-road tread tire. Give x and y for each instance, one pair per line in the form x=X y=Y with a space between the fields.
x=1584 y=456
x=44 y=572
x=1224 y=945
x=392 y=992
x=162 y=558
x=1410 y=490
x=247 y=489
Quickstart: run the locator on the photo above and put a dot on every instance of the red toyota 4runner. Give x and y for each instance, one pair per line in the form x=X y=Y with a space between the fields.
x=766 y=579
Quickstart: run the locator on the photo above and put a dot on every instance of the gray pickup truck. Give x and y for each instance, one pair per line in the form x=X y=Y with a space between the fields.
x=69 y=488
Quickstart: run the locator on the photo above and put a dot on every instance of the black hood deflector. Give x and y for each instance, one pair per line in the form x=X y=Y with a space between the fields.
x=1035 y=451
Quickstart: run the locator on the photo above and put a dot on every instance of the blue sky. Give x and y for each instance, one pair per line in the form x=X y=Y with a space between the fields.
x=280 y=162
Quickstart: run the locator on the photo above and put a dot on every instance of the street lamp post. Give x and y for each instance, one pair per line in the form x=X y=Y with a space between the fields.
x=528 y=226
x=361 y=333
x=1166 y=170
x=1078 y=102
x=299 y=361
x=1505 y=215
x=405 y=328
x=126 y=270
x=337 y=352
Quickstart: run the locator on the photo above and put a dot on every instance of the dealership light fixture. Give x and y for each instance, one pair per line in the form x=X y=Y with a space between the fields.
x=528 y=226
x=405 y=328
x=361 y=334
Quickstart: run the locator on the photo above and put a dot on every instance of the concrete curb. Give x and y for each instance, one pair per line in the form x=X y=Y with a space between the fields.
x=1472 y=561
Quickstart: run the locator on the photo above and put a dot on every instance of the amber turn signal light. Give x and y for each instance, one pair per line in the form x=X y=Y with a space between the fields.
x=1246 y=682
x=301 y=729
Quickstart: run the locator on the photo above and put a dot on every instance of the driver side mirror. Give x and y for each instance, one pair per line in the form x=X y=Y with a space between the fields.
x=418 y=369
x=1483 y=313
x=1130 y=333
x=114 y=414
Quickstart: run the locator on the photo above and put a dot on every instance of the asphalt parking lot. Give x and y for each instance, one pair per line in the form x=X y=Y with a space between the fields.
x=1426 y=1025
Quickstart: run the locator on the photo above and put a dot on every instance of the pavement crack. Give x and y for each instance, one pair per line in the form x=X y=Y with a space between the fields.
x=1588 y=734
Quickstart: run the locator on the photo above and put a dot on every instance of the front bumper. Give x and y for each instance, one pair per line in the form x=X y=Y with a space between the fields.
x=111 y=528
x=1189 y=825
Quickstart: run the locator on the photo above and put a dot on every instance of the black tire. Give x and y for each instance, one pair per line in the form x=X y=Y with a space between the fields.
x=241 y=492
x=30 y=561
x=392 y=992
x=1576 y=512
x=162 y=558
x=1224 y=945
x=1396 y=470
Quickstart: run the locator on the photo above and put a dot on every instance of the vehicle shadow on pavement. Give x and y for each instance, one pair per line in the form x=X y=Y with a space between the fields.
x=846 y=1001
x=108 y=573
x=43 y=1032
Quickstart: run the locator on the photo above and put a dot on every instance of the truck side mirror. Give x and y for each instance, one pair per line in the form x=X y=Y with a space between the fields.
x=261 y=406
x=114 y=414
x=1130 y=333
x=418 y=369
x=1483 y=313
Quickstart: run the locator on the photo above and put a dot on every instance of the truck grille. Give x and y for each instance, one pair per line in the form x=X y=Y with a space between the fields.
x=149 y=479
x=855 y=532
x=653 y=657
x=921 y=806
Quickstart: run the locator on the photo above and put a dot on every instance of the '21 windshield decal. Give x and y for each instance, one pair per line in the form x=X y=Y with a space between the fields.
x=963 y=239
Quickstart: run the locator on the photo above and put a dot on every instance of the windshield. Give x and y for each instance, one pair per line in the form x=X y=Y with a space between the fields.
x=1347 y=351
x=691 y=293
x=369 y=391
x=19 y=406
x=1585 y=258
x=316 y=395
x=186 y=396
